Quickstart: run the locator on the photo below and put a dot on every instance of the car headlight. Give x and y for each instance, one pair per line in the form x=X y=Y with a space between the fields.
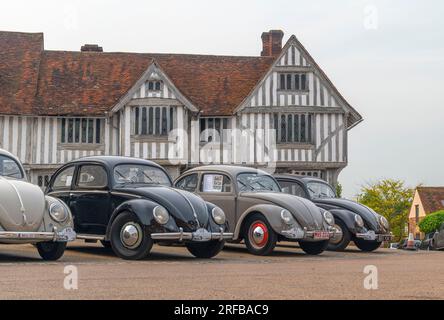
x=218 y=215
x=287 y=217
x=358 y=220
x=329 y=218
x=58 y=212
x=384 y=223
x=161 y=215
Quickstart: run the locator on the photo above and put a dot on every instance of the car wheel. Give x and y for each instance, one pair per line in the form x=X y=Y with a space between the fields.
x=366 y=245
x=51 y=250
x=258 y=235
x=338 y=242
x=431 y=245
x=205 y=250
x=313 y=248
x=106 y=244
x=128 y=238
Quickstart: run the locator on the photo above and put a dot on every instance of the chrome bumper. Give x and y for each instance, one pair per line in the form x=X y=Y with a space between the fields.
x=372 y=236
x=301 y=234
x=65 y=235
x=200 y=235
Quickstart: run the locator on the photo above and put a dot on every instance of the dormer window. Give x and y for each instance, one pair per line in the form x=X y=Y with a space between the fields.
x=153 y=85
x=154 y=121
x=293 y=82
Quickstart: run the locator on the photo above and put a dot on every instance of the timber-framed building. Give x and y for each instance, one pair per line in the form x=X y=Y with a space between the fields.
x=180 y=110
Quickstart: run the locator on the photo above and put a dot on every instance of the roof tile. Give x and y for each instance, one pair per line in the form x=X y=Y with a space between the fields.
x=34 y=81
x=19 y=63
x=432 y=198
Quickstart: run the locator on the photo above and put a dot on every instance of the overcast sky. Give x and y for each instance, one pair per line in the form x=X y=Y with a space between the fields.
x=385 y=57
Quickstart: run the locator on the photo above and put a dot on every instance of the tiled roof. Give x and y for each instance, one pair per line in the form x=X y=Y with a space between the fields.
x=92 y=82
x=432 y=198
x=19 y=64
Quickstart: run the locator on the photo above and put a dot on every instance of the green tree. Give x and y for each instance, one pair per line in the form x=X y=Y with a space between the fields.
x=432 y=222
x=339 y=190
x=391 y=199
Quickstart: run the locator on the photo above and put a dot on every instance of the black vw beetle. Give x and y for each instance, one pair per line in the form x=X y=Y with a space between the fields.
x=129 y=204
x=358 y=223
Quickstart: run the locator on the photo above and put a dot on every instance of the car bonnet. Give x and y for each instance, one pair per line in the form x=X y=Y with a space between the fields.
x=22 y=205
x=304 y=211
x=183 y=205
x=368 y=215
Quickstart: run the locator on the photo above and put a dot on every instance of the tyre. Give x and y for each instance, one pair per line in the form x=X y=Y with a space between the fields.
x=258 y=235
x=106 y=244
x=366 y=245
x=339 y=243
x=128 y=238
x=431 y=245
x=51 y=250
x=313 y=248
x=205 y=250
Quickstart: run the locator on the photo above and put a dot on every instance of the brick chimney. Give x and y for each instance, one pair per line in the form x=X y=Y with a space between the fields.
x=91 y=48
x=272 y=43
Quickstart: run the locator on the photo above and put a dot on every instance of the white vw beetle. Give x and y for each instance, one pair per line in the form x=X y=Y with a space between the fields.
x=27 y=216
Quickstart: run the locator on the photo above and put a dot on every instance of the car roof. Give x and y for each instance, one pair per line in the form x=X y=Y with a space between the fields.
x=6 y=153
x=3 y=152
x=115 y=160
x=231 y=170
x=298 y=178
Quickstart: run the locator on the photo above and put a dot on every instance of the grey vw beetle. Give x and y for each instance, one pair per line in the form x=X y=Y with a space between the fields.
x=256 y=209
x=27 y=216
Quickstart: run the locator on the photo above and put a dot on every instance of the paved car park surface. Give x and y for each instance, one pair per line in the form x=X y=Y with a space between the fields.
x=172 y=273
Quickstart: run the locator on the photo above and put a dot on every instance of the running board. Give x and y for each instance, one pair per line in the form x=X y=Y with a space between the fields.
x=90 y=237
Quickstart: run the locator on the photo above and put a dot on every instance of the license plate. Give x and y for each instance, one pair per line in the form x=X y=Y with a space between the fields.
x=384 y=237
x=321 y=235
x=201 y=235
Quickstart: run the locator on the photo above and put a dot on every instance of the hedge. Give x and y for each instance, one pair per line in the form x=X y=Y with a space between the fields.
x=432 y=222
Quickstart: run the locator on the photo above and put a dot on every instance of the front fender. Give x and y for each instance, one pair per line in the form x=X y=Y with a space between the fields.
x=213 y=226
x=142 y=208
x=271 y=212
x=49 y=223
x=346 y=216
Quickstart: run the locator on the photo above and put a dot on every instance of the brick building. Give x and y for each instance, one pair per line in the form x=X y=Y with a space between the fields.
x=426 y=200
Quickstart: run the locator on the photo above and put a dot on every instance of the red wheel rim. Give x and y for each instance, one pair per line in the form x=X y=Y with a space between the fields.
x=258 y=234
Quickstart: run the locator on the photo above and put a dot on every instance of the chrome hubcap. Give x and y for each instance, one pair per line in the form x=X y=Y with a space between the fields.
x=337 y=237
x=258 y=235
x=131 y=235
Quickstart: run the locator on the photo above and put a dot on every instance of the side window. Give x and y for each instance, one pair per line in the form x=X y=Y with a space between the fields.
x=293 y=188
x=92 y=176
x=215 y=183
x=188 y=183
x=63 y=179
